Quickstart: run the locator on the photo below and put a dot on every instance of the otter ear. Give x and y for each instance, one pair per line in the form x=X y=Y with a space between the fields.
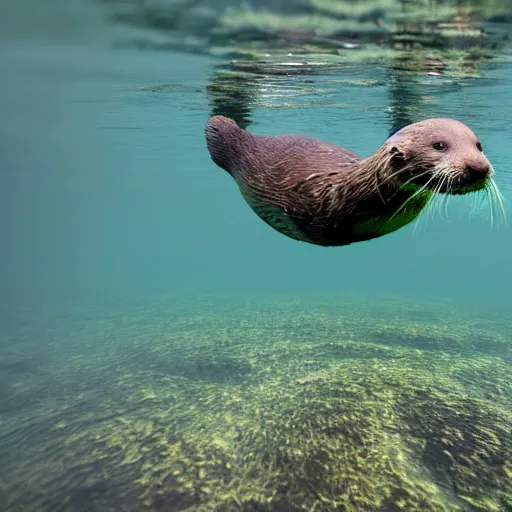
x=398 y=156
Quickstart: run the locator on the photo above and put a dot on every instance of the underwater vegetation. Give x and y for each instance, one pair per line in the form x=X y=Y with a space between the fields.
x=261 y=404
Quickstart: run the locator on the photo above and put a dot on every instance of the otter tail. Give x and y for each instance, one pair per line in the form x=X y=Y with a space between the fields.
x=222 y=138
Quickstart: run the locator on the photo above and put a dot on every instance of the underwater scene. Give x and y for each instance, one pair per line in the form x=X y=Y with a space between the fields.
x=163 y=348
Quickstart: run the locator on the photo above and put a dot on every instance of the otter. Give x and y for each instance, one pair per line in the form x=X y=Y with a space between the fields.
x=326 y=195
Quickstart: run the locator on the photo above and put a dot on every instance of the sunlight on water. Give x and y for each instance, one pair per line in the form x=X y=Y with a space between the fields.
x=163 y=349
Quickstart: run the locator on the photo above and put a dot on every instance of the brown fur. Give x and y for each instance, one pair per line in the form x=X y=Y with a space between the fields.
x=324 y=194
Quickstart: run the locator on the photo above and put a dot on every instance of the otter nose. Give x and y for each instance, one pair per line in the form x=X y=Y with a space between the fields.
x=478 y=172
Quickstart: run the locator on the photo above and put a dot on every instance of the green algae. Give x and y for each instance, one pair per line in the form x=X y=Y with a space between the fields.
x=268 y=405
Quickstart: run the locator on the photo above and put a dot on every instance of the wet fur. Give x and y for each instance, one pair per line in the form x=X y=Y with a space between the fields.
x=318 y=192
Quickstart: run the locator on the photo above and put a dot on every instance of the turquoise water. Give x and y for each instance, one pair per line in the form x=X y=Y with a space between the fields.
x=121 y=237
x=109 y=190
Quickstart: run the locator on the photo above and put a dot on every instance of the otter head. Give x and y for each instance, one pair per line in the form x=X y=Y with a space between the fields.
x=442 y=155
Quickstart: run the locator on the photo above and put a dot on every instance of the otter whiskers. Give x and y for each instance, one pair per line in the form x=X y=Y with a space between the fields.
x=428 y=211
x=490 y=195
x=437 y=199
x=497 y=198
x=416 y=194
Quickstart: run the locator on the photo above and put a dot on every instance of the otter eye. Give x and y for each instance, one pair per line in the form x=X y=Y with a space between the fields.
x=479 y=146
x=439 y=146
